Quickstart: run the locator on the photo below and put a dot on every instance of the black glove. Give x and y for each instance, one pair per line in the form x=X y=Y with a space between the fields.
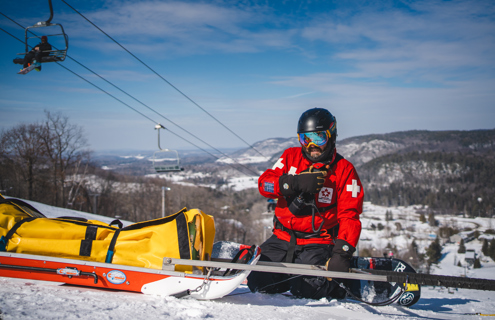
x=341 y=256
x=307 y=182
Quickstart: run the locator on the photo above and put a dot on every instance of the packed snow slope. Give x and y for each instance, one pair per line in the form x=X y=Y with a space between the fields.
x=28 y=299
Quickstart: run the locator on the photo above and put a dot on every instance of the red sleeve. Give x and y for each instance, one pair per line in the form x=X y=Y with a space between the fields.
x=268 y=181
x=350 y=195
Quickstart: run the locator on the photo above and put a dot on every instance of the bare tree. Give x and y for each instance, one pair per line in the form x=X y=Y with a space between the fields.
x=64 y=144
x=23 y=146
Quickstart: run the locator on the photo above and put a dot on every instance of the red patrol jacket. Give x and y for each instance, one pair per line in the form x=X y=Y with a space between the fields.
x=342 y=193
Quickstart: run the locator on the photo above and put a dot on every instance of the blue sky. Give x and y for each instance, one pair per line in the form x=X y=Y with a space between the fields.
x=378 y=66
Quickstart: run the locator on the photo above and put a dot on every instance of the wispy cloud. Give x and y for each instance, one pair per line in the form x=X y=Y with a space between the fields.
x=184 y=27
x=429 y=39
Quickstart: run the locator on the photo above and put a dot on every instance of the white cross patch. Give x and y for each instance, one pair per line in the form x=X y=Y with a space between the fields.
x=354 y=188
x=278 y=164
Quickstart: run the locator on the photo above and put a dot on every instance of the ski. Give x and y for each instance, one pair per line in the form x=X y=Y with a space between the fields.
x=355 y=274
x=390 y=269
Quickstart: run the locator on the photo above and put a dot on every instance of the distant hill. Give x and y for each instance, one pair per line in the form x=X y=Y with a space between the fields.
x=446 y=170
x=362 y=149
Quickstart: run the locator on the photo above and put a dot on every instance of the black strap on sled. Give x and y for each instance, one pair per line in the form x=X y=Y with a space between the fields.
x=5 y=240
x=87 y=243
x=111 y=247
x=73 y=218
x=183 y=236
x=182 y=232
x=117 y=222
x=24 y=206
x=80 y=219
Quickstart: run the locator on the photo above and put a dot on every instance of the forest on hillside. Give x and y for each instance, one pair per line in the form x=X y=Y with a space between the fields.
x=445 y=182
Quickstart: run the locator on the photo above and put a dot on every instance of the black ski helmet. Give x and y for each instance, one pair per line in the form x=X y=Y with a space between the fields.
x=318 y=119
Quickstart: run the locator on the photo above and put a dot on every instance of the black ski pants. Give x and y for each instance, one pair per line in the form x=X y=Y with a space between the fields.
x=31 y=56
x=309 y=287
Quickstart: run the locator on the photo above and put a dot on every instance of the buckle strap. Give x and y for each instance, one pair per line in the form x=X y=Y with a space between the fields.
x=294 y=235
x=299 y=234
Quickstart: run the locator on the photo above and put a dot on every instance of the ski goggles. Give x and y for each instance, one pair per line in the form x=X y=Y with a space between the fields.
x=318 y=138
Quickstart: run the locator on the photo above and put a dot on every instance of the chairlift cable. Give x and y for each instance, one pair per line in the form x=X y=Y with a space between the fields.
x=178 y=136
x=161 y=77
x=127 y=105
x=137 y=100
x=151 y=109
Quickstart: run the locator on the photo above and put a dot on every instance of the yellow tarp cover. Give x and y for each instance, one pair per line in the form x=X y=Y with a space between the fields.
x=187 y=234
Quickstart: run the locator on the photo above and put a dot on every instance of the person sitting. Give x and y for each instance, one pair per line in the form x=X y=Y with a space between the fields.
x=39 y=51
x=320 y=198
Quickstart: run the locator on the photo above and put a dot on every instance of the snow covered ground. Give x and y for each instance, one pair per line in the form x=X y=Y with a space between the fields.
x=27 y=299
x=237 y=183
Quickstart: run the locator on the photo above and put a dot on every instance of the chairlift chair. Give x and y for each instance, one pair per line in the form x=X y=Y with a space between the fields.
x=53 y=30
x=165 y=160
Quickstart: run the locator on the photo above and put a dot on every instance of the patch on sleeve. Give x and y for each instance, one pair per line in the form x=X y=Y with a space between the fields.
x=269 y=187
x=278 y=164
x=325 y=195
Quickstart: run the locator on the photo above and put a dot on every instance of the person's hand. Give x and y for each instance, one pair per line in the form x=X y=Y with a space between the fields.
x=311 y=181
x=307 y=182
x=341 y=256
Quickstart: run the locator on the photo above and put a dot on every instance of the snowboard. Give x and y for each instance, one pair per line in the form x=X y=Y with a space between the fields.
x=35 y=65
x=374 y=292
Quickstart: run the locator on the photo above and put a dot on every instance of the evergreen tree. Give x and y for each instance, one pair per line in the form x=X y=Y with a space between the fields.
x=414 y=246
x=434 y=252
x=484 y=248
x=422 y=218
x=477 y=263
x=491 y=250
x=388 y=215
x=431 y=220
x=462 y=247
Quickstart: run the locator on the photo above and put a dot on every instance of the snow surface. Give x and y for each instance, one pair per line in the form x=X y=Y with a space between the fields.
x=237 y=183
x=29 y=299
